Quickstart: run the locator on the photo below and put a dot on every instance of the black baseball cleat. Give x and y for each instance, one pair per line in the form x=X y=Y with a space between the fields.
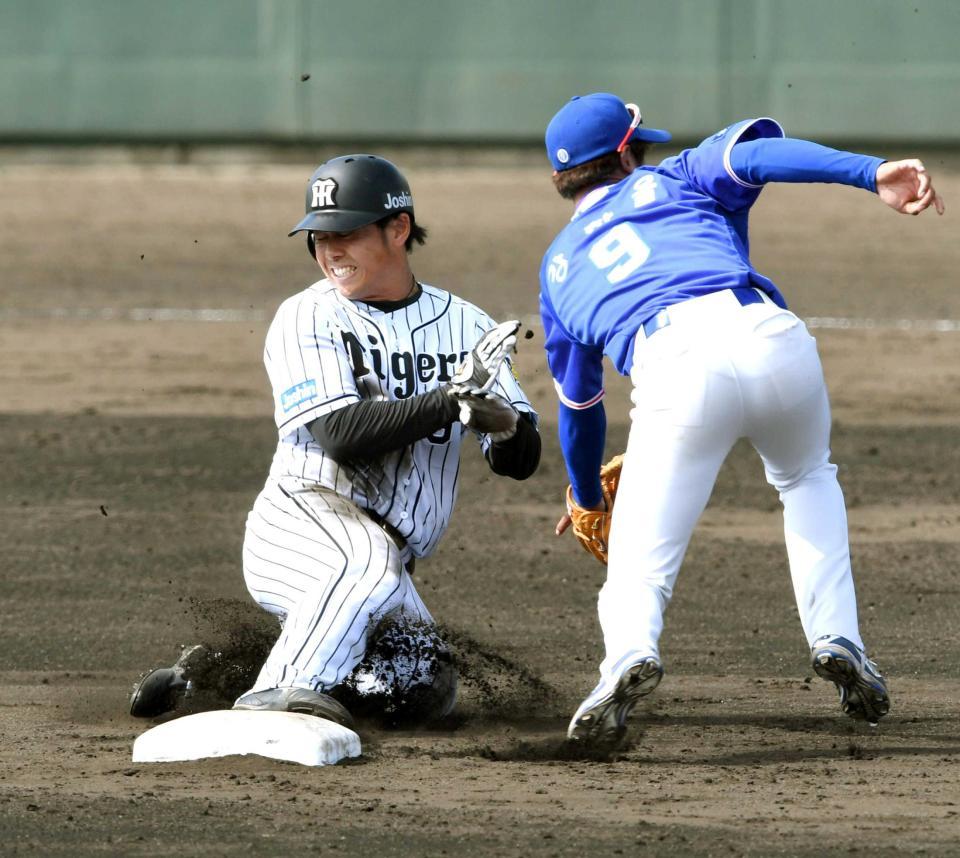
x=301 y=700
x=162 y=689
x=601 y=718
x=863 y=690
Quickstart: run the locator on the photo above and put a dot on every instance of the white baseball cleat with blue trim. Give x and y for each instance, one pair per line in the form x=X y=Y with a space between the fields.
x=863 y=690
x=601 y=718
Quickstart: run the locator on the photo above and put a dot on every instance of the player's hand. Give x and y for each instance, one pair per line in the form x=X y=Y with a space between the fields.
x=486 y=412
x=482 y=363
x=906 y=187
x=566 y=521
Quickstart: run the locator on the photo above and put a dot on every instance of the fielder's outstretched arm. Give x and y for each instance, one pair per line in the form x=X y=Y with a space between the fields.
x=905 y=186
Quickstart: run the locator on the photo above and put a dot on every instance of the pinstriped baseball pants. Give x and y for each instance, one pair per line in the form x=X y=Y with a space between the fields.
x=330 y=573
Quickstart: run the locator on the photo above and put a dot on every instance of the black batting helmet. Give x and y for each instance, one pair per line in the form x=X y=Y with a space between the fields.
x=351 y=191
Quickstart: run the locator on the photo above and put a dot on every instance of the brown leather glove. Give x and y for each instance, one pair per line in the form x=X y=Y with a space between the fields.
x=592 y=527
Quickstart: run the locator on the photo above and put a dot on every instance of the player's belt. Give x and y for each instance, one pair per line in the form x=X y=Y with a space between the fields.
x=745 y=295
x=394 y=534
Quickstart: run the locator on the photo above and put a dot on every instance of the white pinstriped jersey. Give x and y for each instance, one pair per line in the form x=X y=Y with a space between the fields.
x=324 y=351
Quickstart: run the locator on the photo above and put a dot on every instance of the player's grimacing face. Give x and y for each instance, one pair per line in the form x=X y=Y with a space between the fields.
x=367 y=264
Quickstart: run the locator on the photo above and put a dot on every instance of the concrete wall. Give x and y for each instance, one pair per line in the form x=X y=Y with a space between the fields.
x=483 y=71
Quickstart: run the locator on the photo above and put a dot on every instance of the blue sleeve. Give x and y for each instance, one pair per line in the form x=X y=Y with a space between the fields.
x=577 y=372
x=788 y=160
x=577 y=369
x=707 y=166
x=582 y=437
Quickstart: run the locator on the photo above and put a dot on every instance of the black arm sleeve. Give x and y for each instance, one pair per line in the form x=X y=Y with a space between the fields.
x=519 y=456
x=368 y=429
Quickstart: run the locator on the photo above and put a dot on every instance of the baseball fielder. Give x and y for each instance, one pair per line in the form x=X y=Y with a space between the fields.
x=654 y=272
x=377 y=379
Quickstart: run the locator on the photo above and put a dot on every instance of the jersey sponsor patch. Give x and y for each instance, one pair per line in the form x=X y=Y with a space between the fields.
x=298 y=394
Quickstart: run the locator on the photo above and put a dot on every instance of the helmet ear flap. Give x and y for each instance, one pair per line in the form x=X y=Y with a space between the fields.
x=311 y=247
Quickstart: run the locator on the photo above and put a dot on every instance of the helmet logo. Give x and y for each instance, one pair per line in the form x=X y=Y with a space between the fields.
x=323 y=191
x=398 y=201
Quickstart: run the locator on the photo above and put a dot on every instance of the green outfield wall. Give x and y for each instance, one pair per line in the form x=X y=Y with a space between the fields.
x=484 y=71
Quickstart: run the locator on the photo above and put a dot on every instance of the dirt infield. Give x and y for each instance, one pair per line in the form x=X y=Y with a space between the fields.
x=132 y=448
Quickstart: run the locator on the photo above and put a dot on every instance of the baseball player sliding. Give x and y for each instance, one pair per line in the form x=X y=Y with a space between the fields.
x=377 y=378
x=654 y=272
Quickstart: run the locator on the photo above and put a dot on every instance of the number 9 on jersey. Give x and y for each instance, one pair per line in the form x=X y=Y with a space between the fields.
x=621 y=250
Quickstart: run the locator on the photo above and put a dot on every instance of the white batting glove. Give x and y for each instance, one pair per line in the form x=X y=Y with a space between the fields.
x=480 y=367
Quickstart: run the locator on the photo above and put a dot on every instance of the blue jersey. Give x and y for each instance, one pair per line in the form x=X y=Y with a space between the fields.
x=662 y=235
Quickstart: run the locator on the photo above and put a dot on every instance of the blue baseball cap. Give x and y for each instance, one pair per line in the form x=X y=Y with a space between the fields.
x=589 y=126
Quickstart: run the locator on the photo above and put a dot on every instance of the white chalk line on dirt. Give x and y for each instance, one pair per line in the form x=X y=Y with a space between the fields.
x=187 y=314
